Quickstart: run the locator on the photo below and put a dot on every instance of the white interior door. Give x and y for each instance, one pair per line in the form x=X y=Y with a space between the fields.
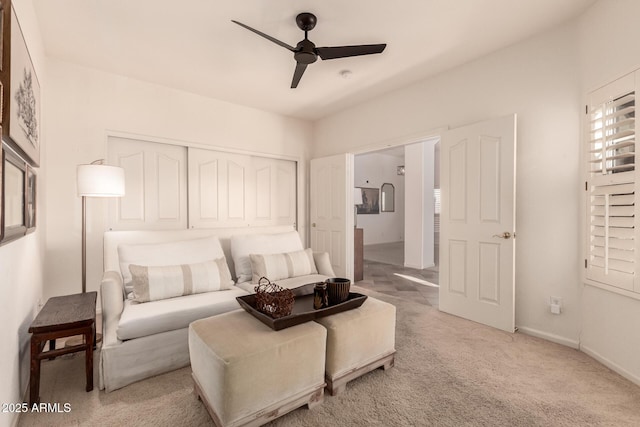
x=477 y=222
x=330 y=216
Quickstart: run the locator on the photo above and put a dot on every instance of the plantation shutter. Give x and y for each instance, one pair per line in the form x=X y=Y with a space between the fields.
x=612 y=247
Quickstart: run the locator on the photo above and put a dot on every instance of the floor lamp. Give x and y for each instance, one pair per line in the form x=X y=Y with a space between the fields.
x=96 y=180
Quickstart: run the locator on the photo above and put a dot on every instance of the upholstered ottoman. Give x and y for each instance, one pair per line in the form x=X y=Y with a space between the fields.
x=247 y=374
x=359 y=341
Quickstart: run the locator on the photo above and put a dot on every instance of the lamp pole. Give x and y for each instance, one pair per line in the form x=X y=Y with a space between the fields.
x=84 y=244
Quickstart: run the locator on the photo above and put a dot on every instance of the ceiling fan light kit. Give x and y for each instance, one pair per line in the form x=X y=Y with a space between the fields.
x=306 y=52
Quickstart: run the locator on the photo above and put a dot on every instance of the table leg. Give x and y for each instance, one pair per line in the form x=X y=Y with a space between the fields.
x=52 y=346
x=34 y=378
x=89 y=336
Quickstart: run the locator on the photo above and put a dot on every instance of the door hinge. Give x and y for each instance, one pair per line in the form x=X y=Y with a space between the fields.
x=586 y=186
x=585 y=263
x=586 y=109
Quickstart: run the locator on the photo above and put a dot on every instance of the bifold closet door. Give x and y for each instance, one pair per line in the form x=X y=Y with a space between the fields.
x=155 y=185
x=238 y=190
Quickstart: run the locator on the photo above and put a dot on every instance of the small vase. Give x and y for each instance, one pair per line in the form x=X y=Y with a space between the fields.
x=320 y=296
x=338 y=290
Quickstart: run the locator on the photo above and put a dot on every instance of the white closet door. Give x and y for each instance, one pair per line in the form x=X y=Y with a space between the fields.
x=274 y=200
x=155 y=185
x=234 y=190
x=217 y=189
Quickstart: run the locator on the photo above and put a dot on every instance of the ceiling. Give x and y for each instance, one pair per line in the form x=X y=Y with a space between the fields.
x=192 y=45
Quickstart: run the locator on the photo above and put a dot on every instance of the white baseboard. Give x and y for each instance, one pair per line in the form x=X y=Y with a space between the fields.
x=611 y=365
x=586 y=350
x=409 y=265
x=550 y=337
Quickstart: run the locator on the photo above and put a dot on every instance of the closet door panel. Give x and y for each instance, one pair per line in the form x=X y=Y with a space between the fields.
x=155 y=185
x=131 y=207
x=168 y=188
x=284 y=199
x=236 y=190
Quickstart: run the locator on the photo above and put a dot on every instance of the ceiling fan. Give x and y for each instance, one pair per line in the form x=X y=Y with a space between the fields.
x=306 y=52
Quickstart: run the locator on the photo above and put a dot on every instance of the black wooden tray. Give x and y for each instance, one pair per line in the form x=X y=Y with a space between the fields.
x=303 y=310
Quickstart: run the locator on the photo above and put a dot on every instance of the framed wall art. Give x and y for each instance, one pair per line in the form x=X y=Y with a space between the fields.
x=370 y=201
x=14 y=183
x=21 y=122
x=30 y=200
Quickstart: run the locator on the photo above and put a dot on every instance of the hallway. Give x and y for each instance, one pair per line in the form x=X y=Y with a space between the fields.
x=383 y=278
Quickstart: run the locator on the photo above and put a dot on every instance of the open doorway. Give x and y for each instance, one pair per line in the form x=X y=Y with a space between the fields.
x=379 y=194
x=396 y=191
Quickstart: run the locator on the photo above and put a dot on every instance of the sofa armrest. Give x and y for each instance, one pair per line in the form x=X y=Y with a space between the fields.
x=323 y=264
x=112 y=298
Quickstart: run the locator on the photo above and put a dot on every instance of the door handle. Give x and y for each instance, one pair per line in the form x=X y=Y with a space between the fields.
x=313 y=225
x=505 y=235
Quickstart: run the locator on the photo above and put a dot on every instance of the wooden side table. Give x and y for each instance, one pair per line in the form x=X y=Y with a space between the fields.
x=61 y=317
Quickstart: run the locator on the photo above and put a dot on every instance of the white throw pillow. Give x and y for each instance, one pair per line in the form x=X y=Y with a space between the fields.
x=169 y=281
x=244 y=245
x=168 y=253
x=282 y=266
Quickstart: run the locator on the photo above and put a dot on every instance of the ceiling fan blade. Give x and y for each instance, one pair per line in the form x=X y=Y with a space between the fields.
x=346 y=51
x=266 y=36
x=297 y=75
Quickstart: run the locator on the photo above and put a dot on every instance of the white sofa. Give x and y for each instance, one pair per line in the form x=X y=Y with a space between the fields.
x=141 y=340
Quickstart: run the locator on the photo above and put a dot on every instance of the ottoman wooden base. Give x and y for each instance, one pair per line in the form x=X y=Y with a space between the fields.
x=338 y=384
x=312 y=399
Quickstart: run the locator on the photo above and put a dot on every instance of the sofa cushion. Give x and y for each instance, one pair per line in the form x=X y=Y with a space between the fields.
x=140 y=320
x=244 y=245
x=282 y=266
x=169 y=281
x=170 y=253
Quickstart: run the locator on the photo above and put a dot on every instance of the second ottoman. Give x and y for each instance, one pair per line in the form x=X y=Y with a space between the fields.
x=359 y=341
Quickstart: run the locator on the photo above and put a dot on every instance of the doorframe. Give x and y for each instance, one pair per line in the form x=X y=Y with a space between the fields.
x=366 y=149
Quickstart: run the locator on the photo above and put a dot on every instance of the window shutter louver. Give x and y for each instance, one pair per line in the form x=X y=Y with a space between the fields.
x=611 y=198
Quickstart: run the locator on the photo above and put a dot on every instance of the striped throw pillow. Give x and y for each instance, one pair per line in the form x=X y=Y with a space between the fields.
x=282 y=266
x=151 y=283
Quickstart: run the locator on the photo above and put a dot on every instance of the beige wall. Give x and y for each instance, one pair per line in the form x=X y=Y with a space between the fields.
x=544 y=80
x=21 y=261
x=372 y=170
x=537 y=80
x=91 y=104
x=609 y=34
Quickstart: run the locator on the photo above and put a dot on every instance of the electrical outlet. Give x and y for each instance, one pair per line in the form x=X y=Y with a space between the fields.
x=555 y=304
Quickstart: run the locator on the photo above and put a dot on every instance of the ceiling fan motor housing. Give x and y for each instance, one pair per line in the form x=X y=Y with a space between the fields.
x=305 y=52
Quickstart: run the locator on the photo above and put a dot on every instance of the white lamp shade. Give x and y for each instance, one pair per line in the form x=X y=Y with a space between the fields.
x=100 y=181
x=357 y=196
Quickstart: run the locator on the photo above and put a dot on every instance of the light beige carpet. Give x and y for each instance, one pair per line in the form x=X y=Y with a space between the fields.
x=449 y=372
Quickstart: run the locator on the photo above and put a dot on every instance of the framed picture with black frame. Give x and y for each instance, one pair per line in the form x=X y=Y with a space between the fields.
x=370 y=201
